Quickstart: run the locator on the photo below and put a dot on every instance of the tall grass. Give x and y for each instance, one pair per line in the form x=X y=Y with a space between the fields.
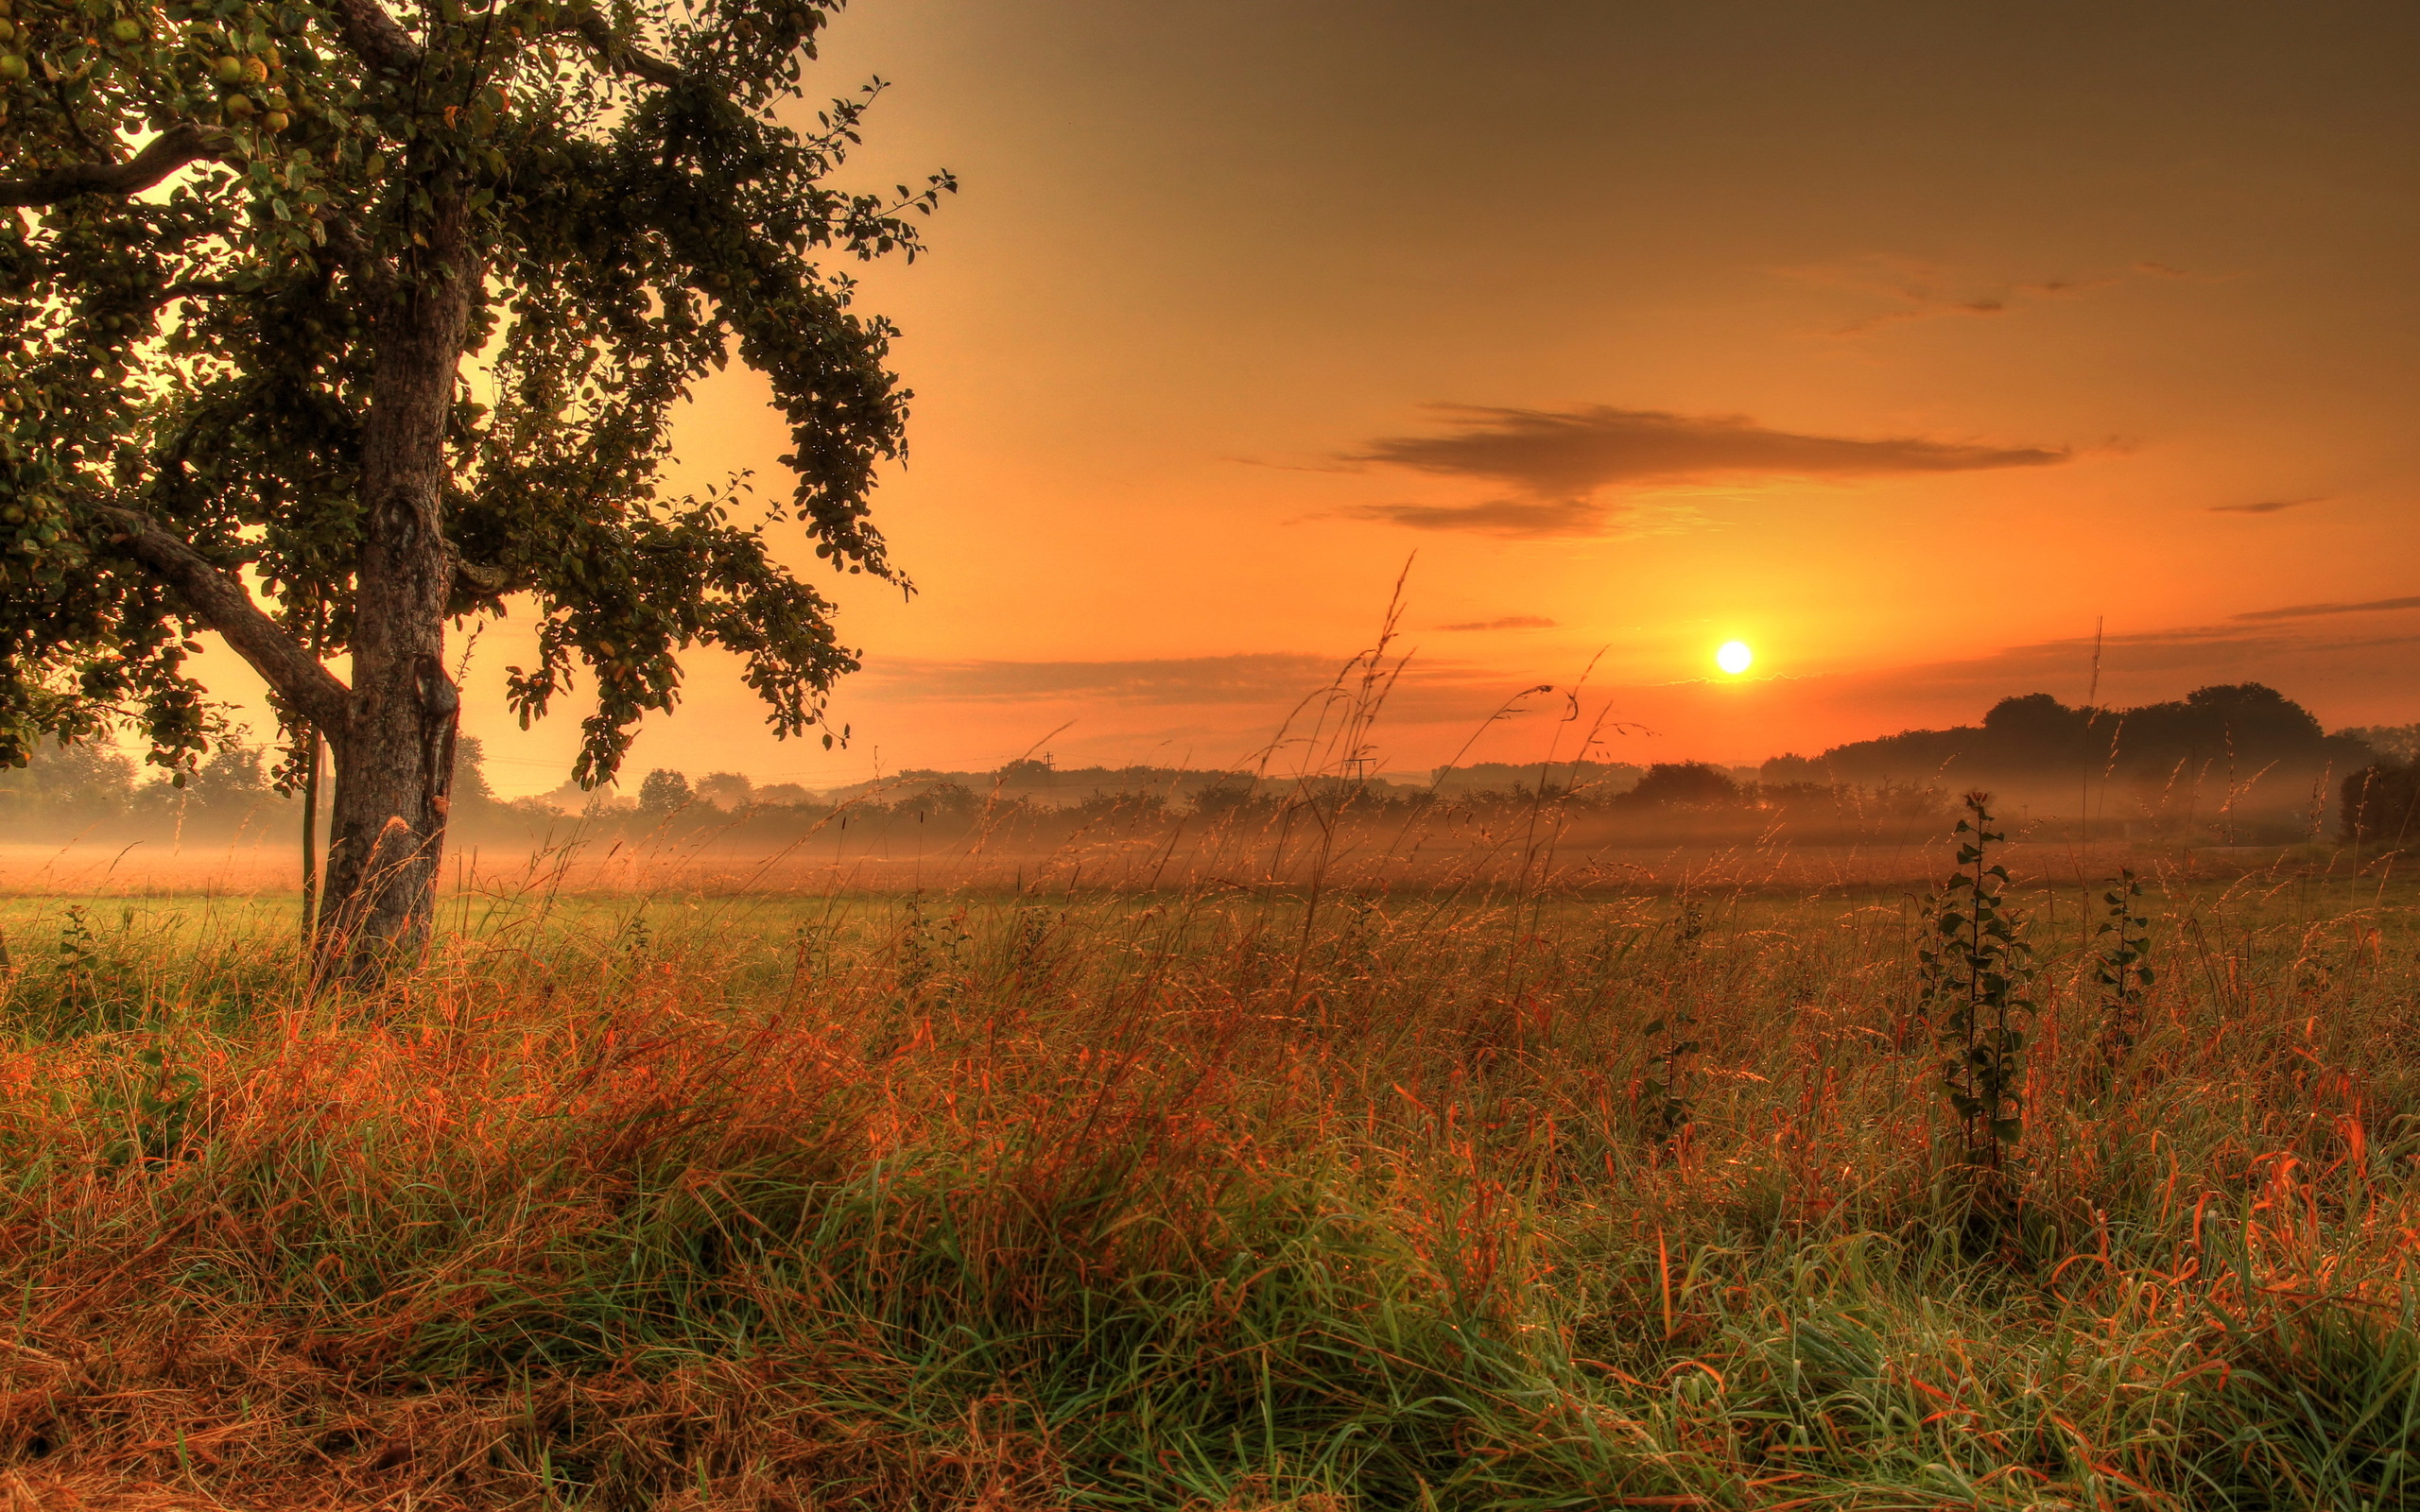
x=1203 y=1199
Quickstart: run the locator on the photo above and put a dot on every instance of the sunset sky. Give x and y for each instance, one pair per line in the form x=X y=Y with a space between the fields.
x=1901 y=341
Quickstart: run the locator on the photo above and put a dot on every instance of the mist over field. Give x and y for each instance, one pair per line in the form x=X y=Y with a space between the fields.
x=2228 y=773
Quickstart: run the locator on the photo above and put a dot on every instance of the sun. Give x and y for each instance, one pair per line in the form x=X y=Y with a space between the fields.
x=1734 y=656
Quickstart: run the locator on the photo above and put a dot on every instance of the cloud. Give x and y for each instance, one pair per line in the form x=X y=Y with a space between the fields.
x=1557 y=460
x=2301 y=611
x=1493 y=517
x=1509 y=622
x=2264 y=507
x=1925 y=291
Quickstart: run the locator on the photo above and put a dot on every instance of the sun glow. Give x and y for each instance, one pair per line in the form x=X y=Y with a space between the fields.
x=1734 y=656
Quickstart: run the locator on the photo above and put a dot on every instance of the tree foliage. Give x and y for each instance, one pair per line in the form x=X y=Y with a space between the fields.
x=228 y=215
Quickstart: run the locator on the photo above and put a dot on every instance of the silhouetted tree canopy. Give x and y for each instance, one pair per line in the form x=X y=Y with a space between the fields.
x=2241 y=727
x=1682 y=784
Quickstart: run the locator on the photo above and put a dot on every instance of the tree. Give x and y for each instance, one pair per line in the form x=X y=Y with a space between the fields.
x=268 y=235
x=2388 y=743
x=228 y=786
x=469 y=785
x=77 y=783
x=1682 y=784
x=664 y=791
x=2382 y=805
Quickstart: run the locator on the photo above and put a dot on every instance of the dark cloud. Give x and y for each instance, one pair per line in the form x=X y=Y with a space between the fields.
x=1493 y=517
x=1560 y=458
x=2264 y=507
x=1509 y=622
x=2302 y=611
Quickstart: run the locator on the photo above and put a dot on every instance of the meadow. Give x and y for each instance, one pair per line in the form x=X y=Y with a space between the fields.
x=1362 y=1188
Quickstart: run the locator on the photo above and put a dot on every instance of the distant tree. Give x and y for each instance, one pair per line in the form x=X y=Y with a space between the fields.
x=1792 y=770
x=2039 y=731
x=2382 y=805
x=229 y=786
x=2389 y=743
x=1684 y=784
x=80 y=781
x=1230 y=794
x=787 y=795
x=2249 y=724
x=268 y=238
x=663 y=792
x=952 y=802
x=726 y=790
x=470 y=779
x=2250 y=718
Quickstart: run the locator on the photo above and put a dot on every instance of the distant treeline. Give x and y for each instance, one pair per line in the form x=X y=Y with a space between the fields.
x=97 y=793
x=2192 y=757
x=2243 y=729
x=1040 y=785
x=89 y=788
x=1068 y=803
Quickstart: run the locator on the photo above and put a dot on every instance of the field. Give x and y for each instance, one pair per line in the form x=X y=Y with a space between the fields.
x=1364 y=1190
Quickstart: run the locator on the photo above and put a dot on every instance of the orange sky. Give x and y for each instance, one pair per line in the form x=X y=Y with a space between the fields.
x=1902 y=341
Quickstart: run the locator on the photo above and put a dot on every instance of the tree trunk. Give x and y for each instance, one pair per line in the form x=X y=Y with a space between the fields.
x=394 y=761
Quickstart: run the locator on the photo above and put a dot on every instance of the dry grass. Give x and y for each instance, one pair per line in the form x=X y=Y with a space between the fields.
x=1204 y=1199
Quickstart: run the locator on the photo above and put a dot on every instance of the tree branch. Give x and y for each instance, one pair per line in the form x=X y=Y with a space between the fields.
x=375 y=36
x=170 y=150
x=219 y=601
x=366 y=266
x=206 y=289
x=597 y=32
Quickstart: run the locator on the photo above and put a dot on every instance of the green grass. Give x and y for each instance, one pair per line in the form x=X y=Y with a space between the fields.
x=1185 y=1200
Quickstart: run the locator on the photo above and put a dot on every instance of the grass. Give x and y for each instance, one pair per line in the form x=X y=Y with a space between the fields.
x=1204 y=1199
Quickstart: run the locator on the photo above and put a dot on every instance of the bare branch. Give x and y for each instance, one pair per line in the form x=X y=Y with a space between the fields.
x=375 y=36
x=219 y=601
x=170 y=150
x=617 y=53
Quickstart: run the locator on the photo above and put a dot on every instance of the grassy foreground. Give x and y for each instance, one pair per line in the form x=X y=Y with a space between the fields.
x=1196 y=1202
